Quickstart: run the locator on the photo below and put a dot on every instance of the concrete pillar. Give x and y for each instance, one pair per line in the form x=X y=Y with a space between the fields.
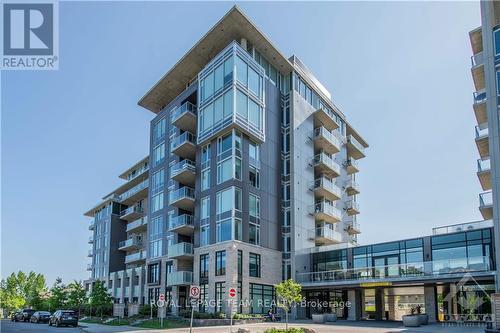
x=362 y=305
x=379 y=304
x=355 y=300
x=391 y=302
x=453 y=306
x=430 y=303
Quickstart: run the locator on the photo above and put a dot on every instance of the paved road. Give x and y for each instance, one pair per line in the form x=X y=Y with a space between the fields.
x=7 y=326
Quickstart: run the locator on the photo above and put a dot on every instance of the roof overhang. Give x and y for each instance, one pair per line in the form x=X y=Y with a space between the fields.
x=233 y=26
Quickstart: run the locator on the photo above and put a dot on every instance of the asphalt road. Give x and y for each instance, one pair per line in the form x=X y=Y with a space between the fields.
x=7 y=326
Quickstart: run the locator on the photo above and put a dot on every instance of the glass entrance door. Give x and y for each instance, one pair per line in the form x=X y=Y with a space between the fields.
x=386 y=266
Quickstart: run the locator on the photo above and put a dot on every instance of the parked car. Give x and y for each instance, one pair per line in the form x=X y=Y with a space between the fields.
x=15 y=315
x=64 y=318
x=23 y=315
x=40 y=317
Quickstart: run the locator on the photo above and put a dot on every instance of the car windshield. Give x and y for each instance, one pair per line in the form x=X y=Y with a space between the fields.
x=68 y=313
x=45 y=313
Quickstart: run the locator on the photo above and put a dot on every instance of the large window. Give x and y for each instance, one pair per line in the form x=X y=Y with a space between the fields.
x=205 y=179
x=261 y=298
x=155 y=248
x=159 y=154
x=204 y=235
x=205 y=208
x=254 y=265
x=248 y=109
x=154 y=273
x=254 y=205
x=159 y=130
x=496 y=41
x=254 y=151
x=254 y=234
x=204 y=261
x=220 y=290
x=228 y=200
x=224 y=230
x=158 y=180
x=220 y=263
x=157 y=202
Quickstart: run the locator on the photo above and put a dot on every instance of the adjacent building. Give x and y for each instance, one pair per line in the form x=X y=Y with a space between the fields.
x=252 y=179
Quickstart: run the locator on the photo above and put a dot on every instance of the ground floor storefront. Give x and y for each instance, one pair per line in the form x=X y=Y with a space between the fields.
x=463 y=300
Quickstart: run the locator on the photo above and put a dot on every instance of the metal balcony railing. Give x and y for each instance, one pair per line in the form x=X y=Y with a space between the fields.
x=183 y=192
x=142 y=185
x=325 y=232
x=181 y=139
x=327 y=184
x=179 y=221
x=182 y=166
x=483 y=165
x=133 y=209
x=184 y=108
x=327 y=208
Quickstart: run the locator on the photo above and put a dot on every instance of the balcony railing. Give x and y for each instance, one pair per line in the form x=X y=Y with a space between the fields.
x=351 y=165
x=179 y=278
x=323 y=159
x=182 y=193
x=486 y=199
x=129 y=242
x=355 y=148
x=481 y=132
x=352 y=226
x=479 y=96
x=136 y=256
x=142 y=185
x=91 y=239
x=90 y=253
x=409 y=271
x=352 y=207
x=324 y=208
x=477 y=59
x=178 y=250
x=483 y=165
x=352 y=187
x=323 y=184
x=138 y=172
x=137 y=223
x=332 y=144
x=180 y=221
x=462 y=227
x=324 y=233
x=186 y=137
x=186 y=107
x=130 y=210
x=184 y=165
x=89 y=267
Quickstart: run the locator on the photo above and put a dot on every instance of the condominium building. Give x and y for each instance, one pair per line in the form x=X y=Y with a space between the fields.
x=252 y=179
x=485 y=42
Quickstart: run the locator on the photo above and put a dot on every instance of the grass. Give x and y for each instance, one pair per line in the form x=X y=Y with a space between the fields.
x=149 y=323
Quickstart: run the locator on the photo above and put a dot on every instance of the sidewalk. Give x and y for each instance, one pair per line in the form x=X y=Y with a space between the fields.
x=337 y=327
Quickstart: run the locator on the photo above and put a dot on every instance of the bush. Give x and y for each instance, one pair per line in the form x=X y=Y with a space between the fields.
x=145 y=310
x=246 y=316
x=282 y=330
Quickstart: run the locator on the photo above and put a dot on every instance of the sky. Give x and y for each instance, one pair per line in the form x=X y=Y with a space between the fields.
x=400 y=71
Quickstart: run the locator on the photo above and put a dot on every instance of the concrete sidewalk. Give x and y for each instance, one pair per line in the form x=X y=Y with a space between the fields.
x=337 y=327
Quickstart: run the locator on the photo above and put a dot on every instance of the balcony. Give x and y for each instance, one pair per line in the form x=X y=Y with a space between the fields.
x=92 y=225
x=326 y=141
x=184 y=172
x=486 y=205
x=136 y=193
x=484 y=173
x=132 y=213
x=468 y=226
x=325 y=211
x=351 y=187
x=482 y=140
x=180 y=278
x=480 y=106
x=326 y=236
x=325 y=118
x=90 y=253
x=352 y=226
x=354 y=148
x=91 y=240
x=182 y=198
x=181 y=250
x=130 y=244
x=477 y=71
x=417 y=271
x=89 y=267
x=184 y=117
x=352 y=207
x=182 y=224
x=324 y=164
x=184 y=145
x=135 y=257
x=476 y=40
x=326 y=188
x=351 y=166
x=137 y=225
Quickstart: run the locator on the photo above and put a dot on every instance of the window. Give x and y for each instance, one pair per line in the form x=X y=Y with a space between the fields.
x=228 y=70
x=154 y=273
x=228 y=103
x=241 y=71
x=225 y=143
x=498 y=83
x=204 y=260
x=220 y=289
x=205 y=235
x=203 y=297
x=254 y=233
x=219 y=77
x=254 y=205
x=155 y=248
x=238 y=231
x=241 y=104
x=155 y=229
x=205 y=179
x=158 y=180
x=220 y=263
x=157 y=202
x=253 y=113
x=228 y=200
x=496 y=41
x=205 y=154
x=254 y=151
x=237 y=168
x=158 y=154
x=207 y=117
x=240 y=262
x=254 y=177
x=223 y=231
x=224 y=170
x=159 y=130
x=254 y=265
x=254 y=81
x=205 y=208
x=261 y=298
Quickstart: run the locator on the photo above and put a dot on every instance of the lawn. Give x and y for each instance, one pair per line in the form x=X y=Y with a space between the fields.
x=149 y=323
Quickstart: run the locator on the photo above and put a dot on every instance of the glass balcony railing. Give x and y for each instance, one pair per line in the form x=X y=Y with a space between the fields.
x=179 y=140
x=182 y=193
x=179 y=278
x=479 y=96
x=477 y=59
x=130 y=210
x=138 y=172
x=183 y=109
x=486 y=199
x=323 y=158
x=328 y=185
x=180 y=250
x=352 y=140
x=326 y=232
x=129 y=242
x=417 y=270
x=89 y=267
x=352 y=224
x=180 y=221
x=327 y=208
x=137 y=223
x=483 y=165
x=352 y=205
x=182 y=166
x=141 y=255
x=142 y=185
x=481 y=132
x=448 y=229
x=329 y=136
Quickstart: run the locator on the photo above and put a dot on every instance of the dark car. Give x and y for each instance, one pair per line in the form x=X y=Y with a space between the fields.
x=16 y=315
x=64 y=318
x=23 y=315
x=40 y=317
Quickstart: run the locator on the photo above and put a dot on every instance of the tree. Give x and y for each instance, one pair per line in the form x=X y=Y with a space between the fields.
x=77 y=295
x=22 y=289
x=99 y=296
x=59 y=295
x=288 y=293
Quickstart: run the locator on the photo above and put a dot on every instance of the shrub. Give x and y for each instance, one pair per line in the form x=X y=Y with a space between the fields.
x=145 y=310
x=281 y=330
x=246 y=316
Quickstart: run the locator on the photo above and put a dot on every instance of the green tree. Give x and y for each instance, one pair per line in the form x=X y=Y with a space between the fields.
x=99 y=296
x=22 y=289
x=289 y=293
x=77 y=295
x=58 y=295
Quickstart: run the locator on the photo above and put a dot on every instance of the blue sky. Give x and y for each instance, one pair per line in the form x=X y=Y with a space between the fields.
x=400 y=71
